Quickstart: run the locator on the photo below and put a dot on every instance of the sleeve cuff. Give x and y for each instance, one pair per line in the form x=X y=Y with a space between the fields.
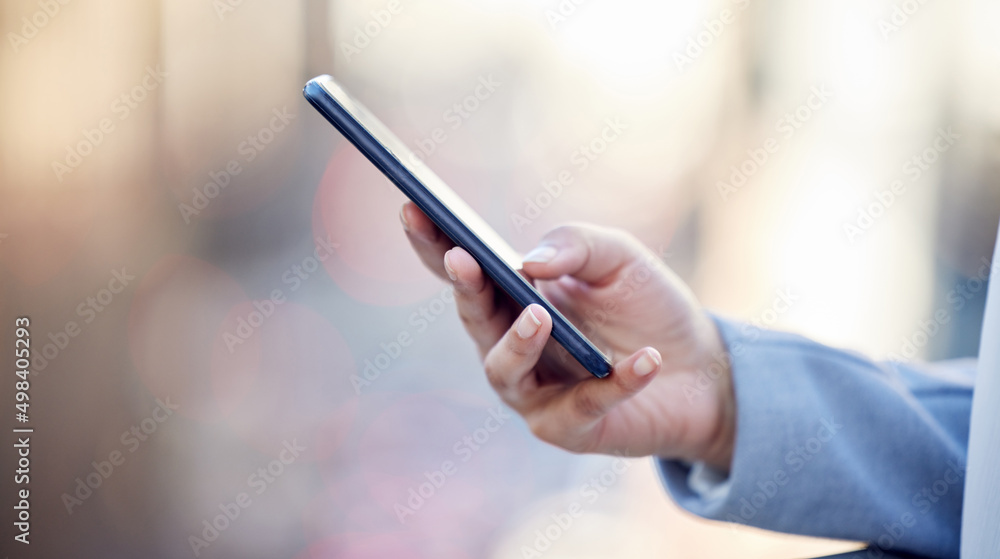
x=700 y=479
x=707 y=482
x=696 y=487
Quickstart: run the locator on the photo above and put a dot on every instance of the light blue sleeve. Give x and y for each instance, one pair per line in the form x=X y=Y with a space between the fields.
x=829 y=443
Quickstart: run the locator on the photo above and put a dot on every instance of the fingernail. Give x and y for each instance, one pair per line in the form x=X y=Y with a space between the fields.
x=447 y=266
x=402 y=218
x=648 y=363
x=528 y=324
x=540 y=254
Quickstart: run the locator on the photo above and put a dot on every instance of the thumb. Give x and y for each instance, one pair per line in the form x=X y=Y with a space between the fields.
x=593 y=398
x=569 y=419
x=589 y=253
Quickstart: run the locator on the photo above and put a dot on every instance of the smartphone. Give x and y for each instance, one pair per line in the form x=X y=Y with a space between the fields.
x=446 y=209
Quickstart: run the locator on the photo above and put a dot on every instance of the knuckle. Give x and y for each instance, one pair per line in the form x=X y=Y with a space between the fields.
x=623 y=234
x=472 y=308
x=587 y=405
x=568 y=233
x=465 y=289
x=618 y=235
x=561 y=230
x=495 y=377
x=546 y=430
x=515 y=345
x=469 y=319
x=625 y=239
x=541 y=429
x=577 y=447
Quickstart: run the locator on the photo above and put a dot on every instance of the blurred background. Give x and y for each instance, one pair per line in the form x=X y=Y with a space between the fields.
x=829 y=168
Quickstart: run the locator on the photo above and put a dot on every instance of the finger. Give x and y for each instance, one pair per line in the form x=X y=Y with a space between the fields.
x=569 y=419
x=484 y=319
x=593 y=398
x=511 y=360
x=563 y=292
x=427 y=240
x=589 y=253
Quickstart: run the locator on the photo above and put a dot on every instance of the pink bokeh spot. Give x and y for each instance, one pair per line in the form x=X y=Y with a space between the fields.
x=357 y=208
x=301 y=390
x=178 y=309
x=235 y=356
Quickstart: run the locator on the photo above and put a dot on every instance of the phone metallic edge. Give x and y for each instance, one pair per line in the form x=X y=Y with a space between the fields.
x=446 y=209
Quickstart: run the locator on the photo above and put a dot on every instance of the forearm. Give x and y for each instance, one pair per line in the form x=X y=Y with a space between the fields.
x=831 y=444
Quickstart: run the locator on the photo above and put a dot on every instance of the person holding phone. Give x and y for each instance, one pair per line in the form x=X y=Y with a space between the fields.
x=747 y=425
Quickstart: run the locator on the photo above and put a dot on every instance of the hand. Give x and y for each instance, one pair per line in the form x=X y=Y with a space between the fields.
x=629 y=304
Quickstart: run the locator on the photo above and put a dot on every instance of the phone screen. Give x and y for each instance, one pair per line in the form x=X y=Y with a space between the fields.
x=425 y=175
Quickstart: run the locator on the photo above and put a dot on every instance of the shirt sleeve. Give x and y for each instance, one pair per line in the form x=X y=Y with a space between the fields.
x=832 y=444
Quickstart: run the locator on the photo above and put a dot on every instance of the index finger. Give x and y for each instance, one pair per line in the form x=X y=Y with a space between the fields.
x=429 y=242
x=588 y=253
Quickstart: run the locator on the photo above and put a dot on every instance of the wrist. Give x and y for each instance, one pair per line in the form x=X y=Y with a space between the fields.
x=718 y=450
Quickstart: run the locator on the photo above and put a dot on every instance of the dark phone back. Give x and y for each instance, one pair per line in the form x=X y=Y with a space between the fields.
x=393 y=162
